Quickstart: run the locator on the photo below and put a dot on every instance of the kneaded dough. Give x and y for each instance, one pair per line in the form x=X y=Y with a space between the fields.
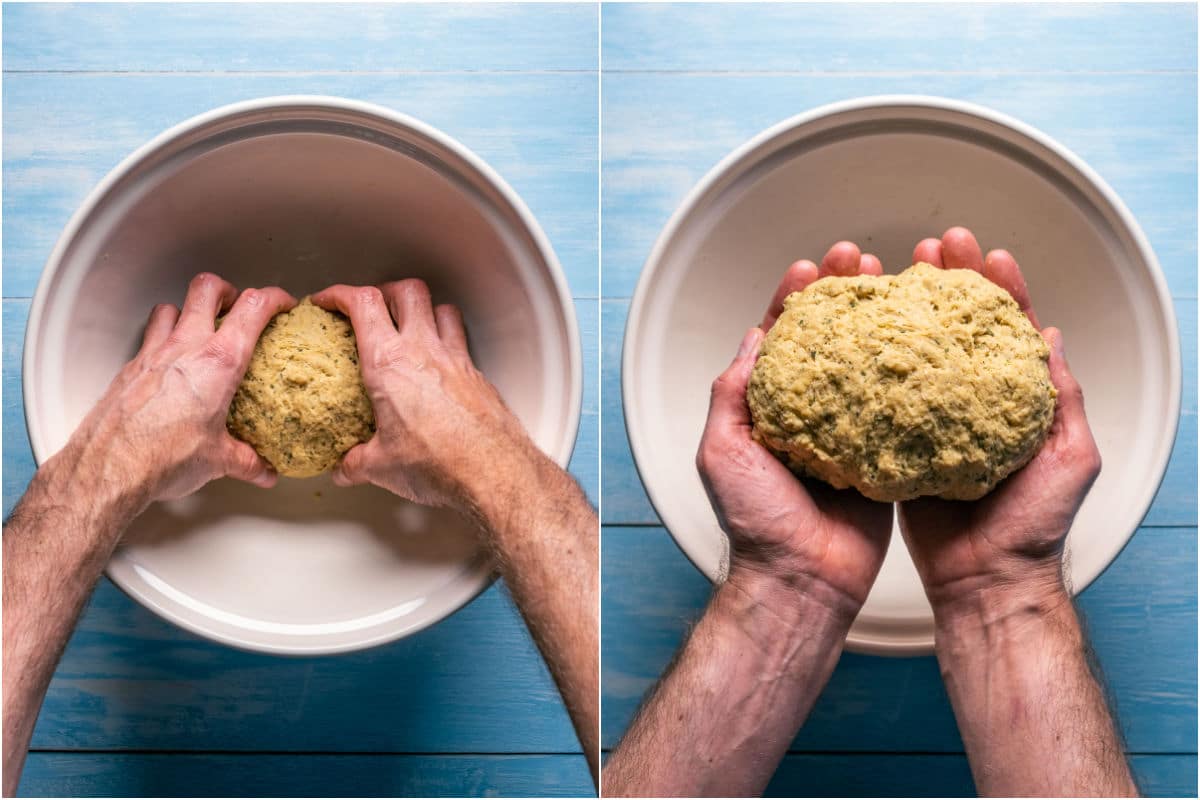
x=302 y=403
x=930 y=382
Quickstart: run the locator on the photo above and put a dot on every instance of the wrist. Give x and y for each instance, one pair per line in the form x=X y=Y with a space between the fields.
x=94 y=473
x=519 y=483
x=997 y=613
x=774 y=607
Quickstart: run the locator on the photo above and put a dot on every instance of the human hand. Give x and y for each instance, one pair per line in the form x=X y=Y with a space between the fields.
x=832 y=541
x=1011 y=539
x=443 y=434
x=158 y=433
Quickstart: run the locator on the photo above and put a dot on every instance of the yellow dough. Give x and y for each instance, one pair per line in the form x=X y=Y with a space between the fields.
x=302 y=403
x=930 y=382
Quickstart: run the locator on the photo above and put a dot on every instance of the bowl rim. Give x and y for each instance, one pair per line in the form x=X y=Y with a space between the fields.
x=482 y=574
x=638 y=438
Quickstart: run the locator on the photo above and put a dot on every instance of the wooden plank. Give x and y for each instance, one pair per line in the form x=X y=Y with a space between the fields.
x=843 y=775
x=626 y=503
x=310 y=775
x=132 y=681
x=820 y=38
x=248 y=37
x=19 y=465
x=662 y=133
x=63 y=133
x=18 y=457
x=625 y=500
x=800 y=775
x=1143 y=605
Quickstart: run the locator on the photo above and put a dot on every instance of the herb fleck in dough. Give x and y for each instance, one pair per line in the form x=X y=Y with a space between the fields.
x=302 y=403
x=931 y=382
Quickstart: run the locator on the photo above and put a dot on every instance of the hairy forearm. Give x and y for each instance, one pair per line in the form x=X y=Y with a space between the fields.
x=1034 y=718
x=545 y=536
x=724 y=714
x=56 y=543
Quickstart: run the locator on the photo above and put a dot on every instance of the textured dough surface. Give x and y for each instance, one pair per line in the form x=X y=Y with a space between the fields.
x=302 y=403
x=930 y=382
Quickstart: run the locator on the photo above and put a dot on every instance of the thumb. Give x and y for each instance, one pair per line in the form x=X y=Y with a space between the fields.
x=727 y=407
x=354 y=467
x=245 y=464
x=1070 y=416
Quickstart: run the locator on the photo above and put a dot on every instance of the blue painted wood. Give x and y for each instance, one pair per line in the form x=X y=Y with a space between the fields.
x=625 y=501
x=472 y=683
x=224 y=775
x=18 y=458
x=1141 y=614
x=820 y=38
x=63 y=133
x=820 y=775
x=663 y=132
x=249 y=37
x=800 y=775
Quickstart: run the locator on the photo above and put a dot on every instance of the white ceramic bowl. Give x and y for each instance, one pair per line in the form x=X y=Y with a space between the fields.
x=302 y=192
x=886 y=172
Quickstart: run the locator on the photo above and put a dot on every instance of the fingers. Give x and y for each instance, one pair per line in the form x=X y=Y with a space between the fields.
x=368 y=313
x=159 y=327
x=353 y=468
x=727 y=408
x=843 y=258
x=450 y=328
x=798 y=276
x=246 y=320
x=1001 y=269
x=411 y=305
x=929 y=251
x=1070 y=417
x=244 y=464
x=960 y=250
x=870 y=265
x=207 y=296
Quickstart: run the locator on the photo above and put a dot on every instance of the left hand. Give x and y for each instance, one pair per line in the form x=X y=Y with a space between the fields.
x=158 y=433
x=777 y=524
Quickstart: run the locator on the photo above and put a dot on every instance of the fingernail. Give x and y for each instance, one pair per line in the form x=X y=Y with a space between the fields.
x=748 y=342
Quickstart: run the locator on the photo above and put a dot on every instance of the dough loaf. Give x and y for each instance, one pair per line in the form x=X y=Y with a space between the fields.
x=302 y=403
x=931 y=382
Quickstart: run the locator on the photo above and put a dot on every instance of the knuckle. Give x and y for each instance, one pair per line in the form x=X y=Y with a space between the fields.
x=253 y=297
x=369 y=295
x=219 y=355
x=204 y=280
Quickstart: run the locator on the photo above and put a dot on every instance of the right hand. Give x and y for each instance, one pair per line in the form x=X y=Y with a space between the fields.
x=1011 y=539
x=443 y=435
x=831 y=541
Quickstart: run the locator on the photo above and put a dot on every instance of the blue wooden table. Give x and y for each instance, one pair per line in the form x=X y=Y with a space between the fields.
x=682 y=85
x=138 y=707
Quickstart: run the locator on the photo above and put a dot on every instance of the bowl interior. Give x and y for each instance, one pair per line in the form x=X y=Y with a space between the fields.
x=886 y=177
x=303 y=198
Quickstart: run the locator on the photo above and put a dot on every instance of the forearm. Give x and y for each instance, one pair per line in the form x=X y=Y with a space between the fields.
x=1033 y=717
x=723 y=716
x=545 y=536
x=56 y=544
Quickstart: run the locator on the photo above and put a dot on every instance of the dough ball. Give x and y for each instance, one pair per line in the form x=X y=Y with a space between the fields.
x=931 y=382
x=302 y=403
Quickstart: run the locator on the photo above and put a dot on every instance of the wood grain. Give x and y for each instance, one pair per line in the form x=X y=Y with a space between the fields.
x=253 y=37
x=820 y=38
x=800 y=775
x=308 y=775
